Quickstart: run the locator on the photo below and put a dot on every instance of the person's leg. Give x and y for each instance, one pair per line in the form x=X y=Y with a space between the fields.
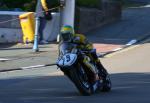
x=41 y=28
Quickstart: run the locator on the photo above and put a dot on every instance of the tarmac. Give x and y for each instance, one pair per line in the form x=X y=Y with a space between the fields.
x=131 y=29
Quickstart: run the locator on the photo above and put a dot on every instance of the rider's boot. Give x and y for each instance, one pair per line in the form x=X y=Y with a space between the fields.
x=102 y=71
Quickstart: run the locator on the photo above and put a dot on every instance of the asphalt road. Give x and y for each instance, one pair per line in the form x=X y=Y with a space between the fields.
x=132 y=59
x=129 y=71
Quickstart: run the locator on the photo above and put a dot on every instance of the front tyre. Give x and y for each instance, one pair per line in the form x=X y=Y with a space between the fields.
x=81 y=81
x=106 y=84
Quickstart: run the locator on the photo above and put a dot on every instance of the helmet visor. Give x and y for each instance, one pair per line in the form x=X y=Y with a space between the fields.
x=66 y=36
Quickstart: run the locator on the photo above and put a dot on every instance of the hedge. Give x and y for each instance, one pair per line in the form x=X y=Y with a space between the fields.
x=29 y=5
x=89 y=3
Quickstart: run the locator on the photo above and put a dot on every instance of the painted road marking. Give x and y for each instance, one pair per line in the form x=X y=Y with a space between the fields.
x=131 y=42
x=121 y=51
x=4 y=59
x=131 y=46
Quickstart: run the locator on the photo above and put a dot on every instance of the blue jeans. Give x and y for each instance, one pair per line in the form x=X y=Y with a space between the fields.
x=41 y=28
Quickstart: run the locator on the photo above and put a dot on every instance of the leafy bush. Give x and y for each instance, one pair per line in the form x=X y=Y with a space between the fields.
x=89 y=3
x=29 y=5
x=128 y=3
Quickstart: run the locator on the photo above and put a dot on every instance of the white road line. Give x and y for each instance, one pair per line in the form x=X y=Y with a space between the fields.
x=4 y=59
x=131 y=42
x=116 y=51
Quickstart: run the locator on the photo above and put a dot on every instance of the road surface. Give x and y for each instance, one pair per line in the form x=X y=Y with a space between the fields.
x=129 y=71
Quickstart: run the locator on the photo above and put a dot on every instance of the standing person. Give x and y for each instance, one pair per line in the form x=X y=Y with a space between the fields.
x=44 y=14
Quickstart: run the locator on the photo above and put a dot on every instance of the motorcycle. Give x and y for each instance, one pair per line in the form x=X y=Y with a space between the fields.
x=70 y=62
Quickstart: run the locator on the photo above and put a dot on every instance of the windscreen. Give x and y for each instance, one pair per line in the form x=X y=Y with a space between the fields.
x=66 y=48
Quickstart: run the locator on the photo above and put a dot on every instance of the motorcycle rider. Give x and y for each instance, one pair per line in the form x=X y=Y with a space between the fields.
x=67 y=34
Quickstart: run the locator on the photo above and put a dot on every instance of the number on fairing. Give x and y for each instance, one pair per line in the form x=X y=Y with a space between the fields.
x=68 y=58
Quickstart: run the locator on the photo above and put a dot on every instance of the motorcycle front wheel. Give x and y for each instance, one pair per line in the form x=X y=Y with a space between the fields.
x=107 y=84
x=80 y=79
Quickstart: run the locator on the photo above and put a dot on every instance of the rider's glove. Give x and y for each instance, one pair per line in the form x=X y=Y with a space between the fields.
x=76 y=40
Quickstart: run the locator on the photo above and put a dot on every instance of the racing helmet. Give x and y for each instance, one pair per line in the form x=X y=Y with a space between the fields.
x=66 y=33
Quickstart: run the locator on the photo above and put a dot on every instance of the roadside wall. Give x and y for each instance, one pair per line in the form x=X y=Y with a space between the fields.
x=10 y=31
x=51 y=29
x=90 y=18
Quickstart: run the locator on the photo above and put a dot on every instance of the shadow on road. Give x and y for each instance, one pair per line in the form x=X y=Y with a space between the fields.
x=127 y=87
x=3 y=45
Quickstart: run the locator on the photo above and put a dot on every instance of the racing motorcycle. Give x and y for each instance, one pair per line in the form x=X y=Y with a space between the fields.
x=70 y=61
